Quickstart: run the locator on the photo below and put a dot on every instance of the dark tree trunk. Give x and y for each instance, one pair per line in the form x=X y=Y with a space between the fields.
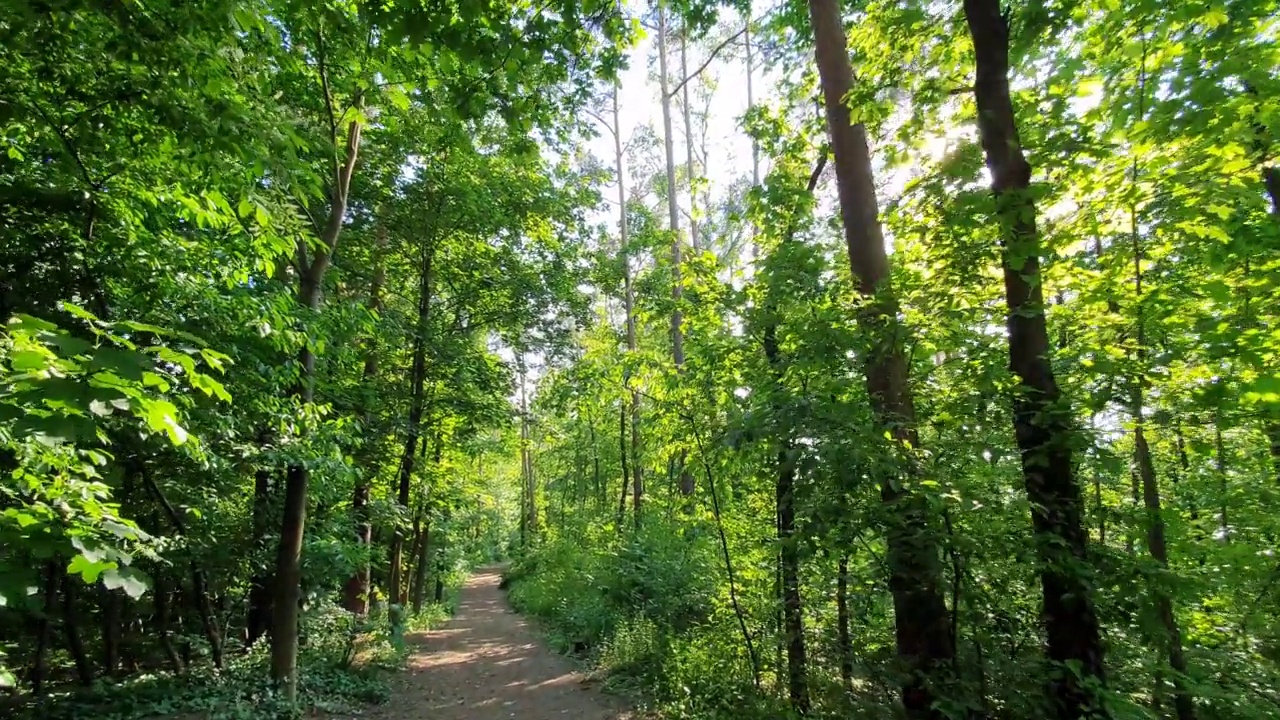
x=790 y=620
x=420 y=570
x=1042 y=423
x=1271 y=427
x=355 y=593
x=417 y=405
x=44 y=631
x=164 y=636
x=622 y=453
x=923 y=631
x=844 y=643
x=258 y=621
x=199 y=584
x=288 y=575
x=109 y=609
x=71 y=632
x=439 y=594
x=789 y=565
x=415 y=557
x=1183 y=703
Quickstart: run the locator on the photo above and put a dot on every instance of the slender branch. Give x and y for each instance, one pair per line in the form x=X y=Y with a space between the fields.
x=69 y=146
x=707 y=62
x=602 y=121
x=328 y=99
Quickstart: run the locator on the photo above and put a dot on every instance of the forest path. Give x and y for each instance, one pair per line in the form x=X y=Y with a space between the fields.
x=487 y=663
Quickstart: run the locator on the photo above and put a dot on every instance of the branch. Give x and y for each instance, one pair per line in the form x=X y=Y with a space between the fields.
x=706 y=62
x=602 y=121
x=328 y=98
x=69 y=147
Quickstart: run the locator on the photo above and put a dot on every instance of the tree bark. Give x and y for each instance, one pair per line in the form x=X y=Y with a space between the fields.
x=160 y=591
x=109 y=609
x=420 y=570
x=258 y=620
x=199 y=584
x=44 y=631
x=688 y=138
x=417 y=405
x=1042 y=423
x=925 y=646
x=288 y=579
x=629 y=299
x=355 y=593
x=844 y=643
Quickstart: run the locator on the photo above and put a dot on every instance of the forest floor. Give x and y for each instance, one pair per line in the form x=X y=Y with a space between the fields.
x=488 y=663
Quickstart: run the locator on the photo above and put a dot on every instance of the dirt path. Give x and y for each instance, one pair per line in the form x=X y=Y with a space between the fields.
x=486 y=663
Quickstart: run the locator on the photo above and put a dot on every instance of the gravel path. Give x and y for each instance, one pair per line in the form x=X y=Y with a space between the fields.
x=487 y=663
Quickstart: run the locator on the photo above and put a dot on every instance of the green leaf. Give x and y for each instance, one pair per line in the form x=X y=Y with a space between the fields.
x=131 y=580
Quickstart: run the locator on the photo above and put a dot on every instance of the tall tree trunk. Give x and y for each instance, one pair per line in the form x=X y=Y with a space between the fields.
x=288 y=576
x=1271 y=426
x=160 y=593
x=44 y=631
x=925 y=646
x=420 y=570
x=258 y=619
x=1220 y=464
x=199 y=583
x=790 y=619
x=355 y=593
x=751 y=103
x=792 y=607
x=673 y=207
x=529 y=520
x=417 y=403
x=844 y=643
x=629 y=299
x=109 y=610
x=622 y=449
x=71 y=632
x=1183 y=703
x=673 y=213
x=688 y=138
x=1041 y=422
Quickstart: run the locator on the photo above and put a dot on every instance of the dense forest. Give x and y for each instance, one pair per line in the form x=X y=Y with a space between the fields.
x=885 y=359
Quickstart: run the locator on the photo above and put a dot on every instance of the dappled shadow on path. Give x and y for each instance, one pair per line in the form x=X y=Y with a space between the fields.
x=487 y=663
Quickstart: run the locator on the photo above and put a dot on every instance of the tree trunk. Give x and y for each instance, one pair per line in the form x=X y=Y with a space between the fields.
x=751 y=102
x=1271 y=427
x=1041 y=422
x=44 y=631
x=792 y=607
x=71 y=632
x=844 y=643
x=790 y=619
x=688 y=138
x=628 y=298
x=673 y=208
x=925 y=646
x=199 y=584
x=109 y=609
x=439 y=594
x=288 y=576
x=258 y=620
x=420 y=570
x=355 y=593
x=1183 y=703
x=160 y=591
x=417 y=405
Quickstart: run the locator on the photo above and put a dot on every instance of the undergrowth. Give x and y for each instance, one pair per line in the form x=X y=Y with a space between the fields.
x=647 y=613
x=344 y=662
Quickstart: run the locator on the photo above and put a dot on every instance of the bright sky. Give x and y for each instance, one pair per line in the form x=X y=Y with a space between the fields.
x=728 y=147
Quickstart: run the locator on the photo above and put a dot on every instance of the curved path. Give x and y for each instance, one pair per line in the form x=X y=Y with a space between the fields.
x=486 y=663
